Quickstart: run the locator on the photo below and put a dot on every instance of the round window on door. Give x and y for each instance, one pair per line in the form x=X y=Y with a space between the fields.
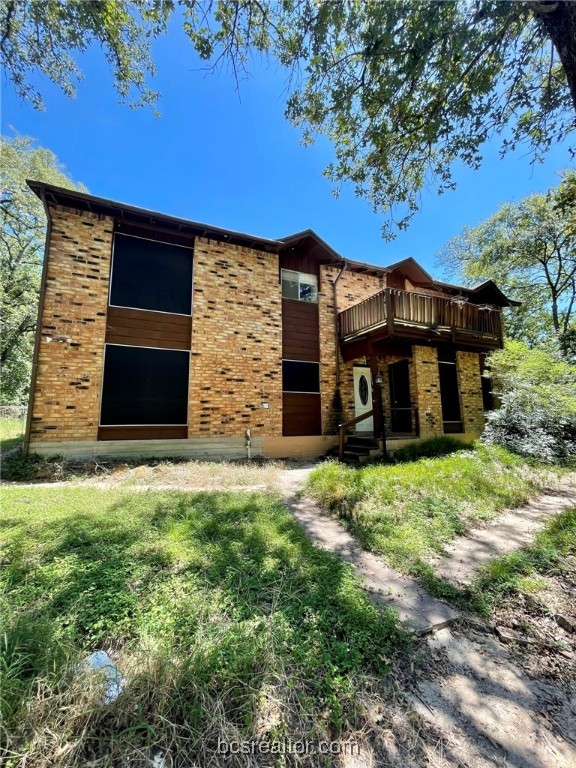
x=363 y=389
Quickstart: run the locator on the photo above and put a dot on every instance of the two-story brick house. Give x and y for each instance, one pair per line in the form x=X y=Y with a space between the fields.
x=162 y=336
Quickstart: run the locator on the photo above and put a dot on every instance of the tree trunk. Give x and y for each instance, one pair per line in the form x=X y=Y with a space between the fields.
x=559 y=21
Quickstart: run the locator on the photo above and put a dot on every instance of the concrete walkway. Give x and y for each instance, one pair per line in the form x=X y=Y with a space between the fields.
x=507 y=533
x=416 y=608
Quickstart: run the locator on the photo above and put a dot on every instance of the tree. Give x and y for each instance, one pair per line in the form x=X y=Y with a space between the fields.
x=42 y=37
x=403 y=89
x=22 y=235
x=537 y=394
x=529 y=249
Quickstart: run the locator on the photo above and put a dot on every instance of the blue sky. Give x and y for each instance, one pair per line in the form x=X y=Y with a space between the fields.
x=237 y=163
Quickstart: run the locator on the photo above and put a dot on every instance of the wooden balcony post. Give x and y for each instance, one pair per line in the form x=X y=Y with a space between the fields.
x=390 y=311
x=377 y=405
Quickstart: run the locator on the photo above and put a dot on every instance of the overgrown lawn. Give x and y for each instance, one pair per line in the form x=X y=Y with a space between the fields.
x=225 y=621
x=524 y=572
x=408 y=512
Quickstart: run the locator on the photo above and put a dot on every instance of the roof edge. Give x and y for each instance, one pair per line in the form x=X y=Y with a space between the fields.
x=84 y=201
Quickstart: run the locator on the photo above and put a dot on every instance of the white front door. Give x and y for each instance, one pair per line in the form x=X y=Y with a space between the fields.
x=363 y=397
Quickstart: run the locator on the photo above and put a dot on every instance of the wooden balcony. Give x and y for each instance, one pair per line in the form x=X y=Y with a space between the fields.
x=406 y=315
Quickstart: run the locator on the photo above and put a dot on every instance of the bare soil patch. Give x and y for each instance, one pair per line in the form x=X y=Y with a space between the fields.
x=486 y=710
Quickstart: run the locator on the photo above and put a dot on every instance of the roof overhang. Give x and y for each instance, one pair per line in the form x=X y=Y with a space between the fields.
x=487 y=292
x=483 y=293
x=142 y=216
x=319 y=248
x=412 y=270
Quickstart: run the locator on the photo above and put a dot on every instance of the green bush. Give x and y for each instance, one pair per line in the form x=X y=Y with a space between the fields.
x=429 y=449
x=20 y=468
x=537 y=413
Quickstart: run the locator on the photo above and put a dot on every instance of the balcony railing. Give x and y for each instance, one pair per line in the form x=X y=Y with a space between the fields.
x=406 y=312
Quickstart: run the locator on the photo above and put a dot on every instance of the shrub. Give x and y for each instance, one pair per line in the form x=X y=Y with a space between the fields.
x=537 y=413
x=531 y=426
x=429 y=449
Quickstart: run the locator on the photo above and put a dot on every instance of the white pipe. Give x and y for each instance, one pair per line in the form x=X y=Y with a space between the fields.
x=248 y=444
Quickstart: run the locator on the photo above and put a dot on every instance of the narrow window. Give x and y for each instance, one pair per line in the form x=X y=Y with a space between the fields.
x=300 y=377
x=486 y=379
x=449 y=391
x=299 y=286
x=144 y=386
x=147 y=274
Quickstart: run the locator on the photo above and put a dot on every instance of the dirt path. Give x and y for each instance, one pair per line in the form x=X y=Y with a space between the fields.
x=508 y=532
x=489 y=712
x=473 y=700
x=468 y=700
x=415 y=607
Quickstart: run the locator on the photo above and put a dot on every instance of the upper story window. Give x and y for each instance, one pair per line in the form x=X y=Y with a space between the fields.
x=299 y=285
x=148 y=274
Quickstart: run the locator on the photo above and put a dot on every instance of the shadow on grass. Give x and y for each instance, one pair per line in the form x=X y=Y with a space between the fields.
x=220 y=596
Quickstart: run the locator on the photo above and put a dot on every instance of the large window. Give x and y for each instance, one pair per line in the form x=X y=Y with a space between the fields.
x=144 y=386
x=147 y=274
x=300 y=286
x=300 y=377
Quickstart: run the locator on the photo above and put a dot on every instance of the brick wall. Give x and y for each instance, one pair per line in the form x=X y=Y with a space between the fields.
x=470 y=384
x=67 y=389
x=355 y=286
x=236 y=362
x=352 y=288
x=427 y=384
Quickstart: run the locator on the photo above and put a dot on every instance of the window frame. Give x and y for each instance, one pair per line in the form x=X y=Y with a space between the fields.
x=142 y=346
x=301 y=391
x=142 y=309
x=300 y=275
x=454 y=363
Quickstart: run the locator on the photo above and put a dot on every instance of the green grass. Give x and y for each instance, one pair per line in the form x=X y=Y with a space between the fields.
x=521 y=572
x=224 y=619
x=409 y=512
x=429 y=449
x=11 y=433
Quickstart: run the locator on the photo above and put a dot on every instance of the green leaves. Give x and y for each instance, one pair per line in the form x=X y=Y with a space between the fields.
x=402 y=89
x=529 y=249
x=22 y=233
x=45 y=37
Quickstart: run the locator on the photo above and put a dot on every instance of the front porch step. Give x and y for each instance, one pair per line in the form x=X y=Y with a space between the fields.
x=360 y=448
x=362 y=441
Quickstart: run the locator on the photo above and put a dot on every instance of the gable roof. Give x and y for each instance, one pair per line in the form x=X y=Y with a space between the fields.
x=487 y=291
x=413 y=271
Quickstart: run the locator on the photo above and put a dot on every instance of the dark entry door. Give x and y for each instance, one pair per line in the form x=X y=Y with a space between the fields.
x=400 y=403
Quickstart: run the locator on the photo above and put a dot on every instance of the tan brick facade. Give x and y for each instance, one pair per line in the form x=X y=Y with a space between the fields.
x=356 y=286
x=236 y=343
x=427 y=381
x=66 y=402
x=470 y=385
x=236 y=362
x=351 y=288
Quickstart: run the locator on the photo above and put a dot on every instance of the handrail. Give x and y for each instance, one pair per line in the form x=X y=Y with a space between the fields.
x=392 y=306
x=345 y=425
x=414 y=420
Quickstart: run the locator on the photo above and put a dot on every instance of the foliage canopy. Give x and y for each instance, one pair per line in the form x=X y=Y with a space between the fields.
x=529 y=249
x=537 y=413
x=22 y=235
x=402 y=89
